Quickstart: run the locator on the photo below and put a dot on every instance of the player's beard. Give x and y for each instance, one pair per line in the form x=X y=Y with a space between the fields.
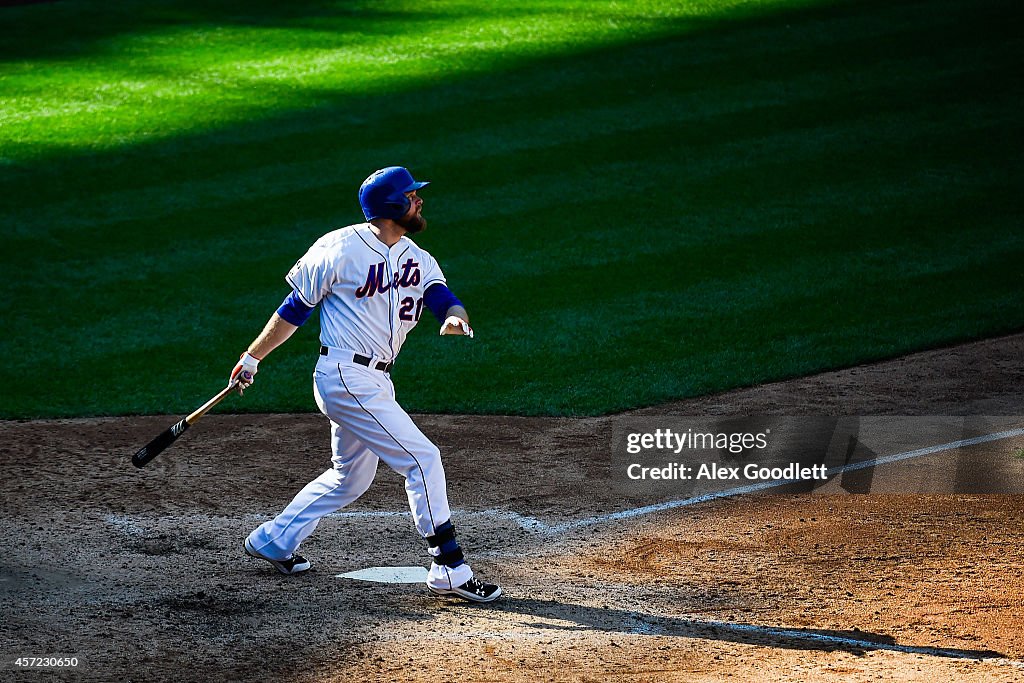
x=413 y=224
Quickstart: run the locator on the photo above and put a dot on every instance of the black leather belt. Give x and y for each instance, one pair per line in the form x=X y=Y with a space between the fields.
x=363 y=360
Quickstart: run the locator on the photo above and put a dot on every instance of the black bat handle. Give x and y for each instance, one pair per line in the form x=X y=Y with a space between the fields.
x=161 y=442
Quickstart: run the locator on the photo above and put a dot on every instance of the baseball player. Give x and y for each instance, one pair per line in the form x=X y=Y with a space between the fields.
x=371 y=283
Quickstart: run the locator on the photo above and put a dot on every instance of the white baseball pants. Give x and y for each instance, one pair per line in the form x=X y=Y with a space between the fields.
x=367 y=426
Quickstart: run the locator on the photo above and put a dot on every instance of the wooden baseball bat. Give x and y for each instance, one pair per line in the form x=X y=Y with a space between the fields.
x=166 y=438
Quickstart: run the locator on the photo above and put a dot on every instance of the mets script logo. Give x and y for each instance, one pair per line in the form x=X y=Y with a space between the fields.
x=407 y=276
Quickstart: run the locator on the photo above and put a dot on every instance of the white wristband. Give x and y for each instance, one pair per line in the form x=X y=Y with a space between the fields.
x=456 y=321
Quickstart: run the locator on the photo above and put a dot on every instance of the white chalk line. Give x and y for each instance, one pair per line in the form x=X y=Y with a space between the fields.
x=130 y=528
x=535 y=525
x=127 y=526
x=761 y=486
x=524 y=522
x=796 y=634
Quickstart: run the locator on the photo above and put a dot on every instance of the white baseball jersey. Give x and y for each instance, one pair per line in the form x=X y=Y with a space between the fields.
x=370 y=296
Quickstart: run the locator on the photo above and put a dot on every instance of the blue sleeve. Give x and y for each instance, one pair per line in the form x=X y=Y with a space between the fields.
x=439 y=299
x=294 y=311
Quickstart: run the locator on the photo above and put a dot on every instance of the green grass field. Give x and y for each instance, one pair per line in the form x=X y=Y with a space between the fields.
x=638 y=201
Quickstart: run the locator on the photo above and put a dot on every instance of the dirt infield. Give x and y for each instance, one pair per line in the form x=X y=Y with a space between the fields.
x=140 y=574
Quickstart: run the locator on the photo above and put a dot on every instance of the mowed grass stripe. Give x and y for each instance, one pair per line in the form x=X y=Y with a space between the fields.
x=192 y=170
x=114 y=269
x=744 y=67
x=894 y=134
x=600 y=224
x=149 y=64
x=694 y=343
x=600 y=334
x=181 y=80
x=880 y=128
x=100 y=265
x=842 y=252
x=564 y=118
x=690 y=294
x=718 y=235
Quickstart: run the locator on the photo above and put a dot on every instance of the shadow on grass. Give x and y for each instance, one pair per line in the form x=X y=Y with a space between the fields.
x=352 y=127
x=67 y=30
x=673 y=127
x=92 y=32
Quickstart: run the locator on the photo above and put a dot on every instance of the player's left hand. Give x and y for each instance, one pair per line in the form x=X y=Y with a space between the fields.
x=456 y=325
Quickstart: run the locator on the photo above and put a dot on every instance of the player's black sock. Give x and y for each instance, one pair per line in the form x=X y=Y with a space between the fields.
x=443 y=540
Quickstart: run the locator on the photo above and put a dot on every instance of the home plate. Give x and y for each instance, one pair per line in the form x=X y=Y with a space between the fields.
x=388 y=574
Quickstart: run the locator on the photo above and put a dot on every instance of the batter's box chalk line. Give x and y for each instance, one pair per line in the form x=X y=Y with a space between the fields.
x=125 y=525
x=537 y=526
x=762 y=486
x=524 y=522
x=532 y=524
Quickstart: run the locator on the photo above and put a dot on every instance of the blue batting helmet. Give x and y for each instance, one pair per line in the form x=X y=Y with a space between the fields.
x=382 y=195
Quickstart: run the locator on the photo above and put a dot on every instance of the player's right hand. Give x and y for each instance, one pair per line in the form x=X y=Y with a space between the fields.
x=244 y=372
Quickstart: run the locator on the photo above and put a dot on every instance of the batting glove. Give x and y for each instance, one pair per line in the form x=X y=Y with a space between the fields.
x=245 y=371
x=454 y=323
